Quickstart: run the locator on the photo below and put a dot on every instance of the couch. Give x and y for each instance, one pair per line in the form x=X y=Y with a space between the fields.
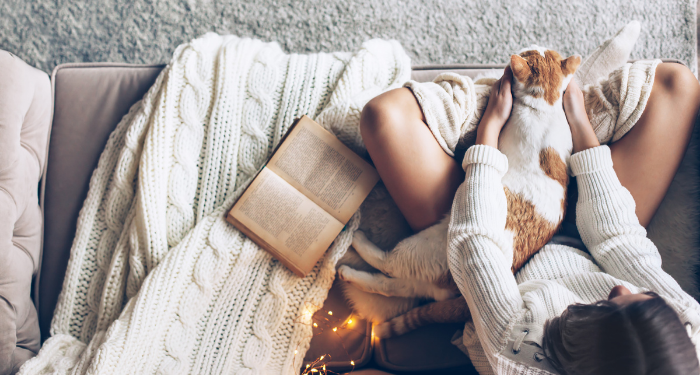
x=88 y=100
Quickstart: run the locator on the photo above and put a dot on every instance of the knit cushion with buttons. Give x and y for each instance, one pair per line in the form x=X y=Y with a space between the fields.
x=25 y=119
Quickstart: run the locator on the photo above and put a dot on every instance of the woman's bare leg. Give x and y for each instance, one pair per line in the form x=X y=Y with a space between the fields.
x=421 y=178
x=648 y=156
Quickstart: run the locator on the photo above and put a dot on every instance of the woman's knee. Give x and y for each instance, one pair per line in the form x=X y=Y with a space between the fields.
x=388 y=111
x=677 y=81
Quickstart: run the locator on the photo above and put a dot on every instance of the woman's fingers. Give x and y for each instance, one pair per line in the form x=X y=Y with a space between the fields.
x=506 y=81
x=573 y=100
x=582 y=132
x=496 y=87
x=573 y=85
x=503 y=85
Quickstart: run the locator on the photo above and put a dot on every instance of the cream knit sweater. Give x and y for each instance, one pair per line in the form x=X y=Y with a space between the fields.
x=158 y=281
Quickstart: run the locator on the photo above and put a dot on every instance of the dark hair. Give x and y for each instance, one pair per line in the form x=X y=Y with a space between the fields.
x=643 y=337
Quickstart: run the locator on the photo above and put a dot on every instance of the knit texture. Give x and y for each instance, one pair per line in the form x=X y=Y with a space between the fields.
x=504 y=306
x=157 y=281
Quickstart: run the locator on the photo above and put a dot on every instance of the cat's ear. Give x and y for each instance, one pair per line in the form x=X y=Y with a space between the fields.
x=519 y=67
x=570 y=64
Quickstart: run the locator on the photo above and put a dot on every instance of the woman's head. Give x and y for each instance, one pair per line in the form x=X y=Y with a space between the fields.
x=626 y=334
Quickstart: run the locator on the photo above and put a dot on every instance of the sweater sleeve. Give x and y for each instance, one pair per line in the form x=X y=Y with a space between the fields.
x=477 y=248
x=606 y=218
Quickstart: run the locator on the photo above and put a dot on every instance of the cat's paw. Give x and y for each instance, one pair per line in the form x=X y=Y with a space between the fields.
x=444 y=294
x=359 y=239
x=392 y=327
x=383 y=330
x=344 y=273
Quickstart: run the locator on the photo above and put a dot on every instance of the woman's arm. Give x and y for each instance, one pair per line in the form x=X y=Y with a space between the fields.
x=476 y=235
x=605 y=212
x=476 y=243
x=606 y=219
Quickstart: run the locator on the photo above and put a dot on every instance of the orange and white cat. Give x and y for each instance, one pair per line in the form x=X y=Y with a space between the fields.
x=537 y=141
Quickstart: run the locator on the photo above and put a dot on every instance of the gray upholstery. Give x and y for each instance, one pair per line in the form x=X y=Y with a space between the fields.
x=25 y=119
x=426 y=348
x=90 y=99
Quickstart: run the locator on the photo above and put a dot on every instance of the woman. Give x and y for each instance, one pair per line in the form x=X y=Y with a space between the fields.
x=613 y=311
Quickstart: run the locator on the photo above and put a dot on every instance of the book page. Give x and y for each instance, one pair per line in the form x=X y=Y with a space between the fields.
x=284 y=221
x=317 y=164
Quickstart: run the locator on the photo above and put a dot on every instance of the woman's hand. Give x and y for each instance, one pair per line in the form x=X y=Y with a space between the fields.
x=582 y=132
x=497 y=111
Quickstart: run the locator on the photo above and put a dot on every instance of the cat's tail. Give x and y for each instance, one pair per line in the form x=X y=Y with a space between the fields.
x=453 y=310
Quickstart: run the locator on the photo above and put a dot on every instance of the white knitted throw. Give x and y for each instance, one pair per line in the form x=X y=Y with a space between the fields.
x=157 y=281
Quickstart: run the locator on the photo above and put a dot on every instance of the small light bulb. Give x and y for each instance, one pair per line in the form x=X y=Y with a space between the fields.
x=321 y=359
x=335 y=329
x=352 y=363
x=330 y=313
x=350 y=321
x=296 y=351
x=324 y=367
x=307 y=366
x=315 y=325
x=314 y=370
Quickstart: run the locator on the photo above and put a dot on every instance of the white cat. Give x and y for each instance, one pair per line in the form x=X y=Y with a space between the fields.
x=537 y=141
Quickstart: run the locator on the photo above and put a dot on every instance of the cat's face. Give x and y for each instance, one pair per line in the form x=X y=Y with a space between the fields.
x=542 y=73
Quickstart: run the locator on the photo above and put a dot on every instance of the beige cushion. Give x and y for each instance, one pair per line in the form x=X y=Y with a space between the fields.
x=426 y=348
x=25 y=118
x=90 y=99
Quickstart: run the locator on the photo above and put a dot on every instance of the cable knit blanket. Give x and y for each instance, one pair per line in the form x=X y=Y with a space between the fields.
x=157 y=281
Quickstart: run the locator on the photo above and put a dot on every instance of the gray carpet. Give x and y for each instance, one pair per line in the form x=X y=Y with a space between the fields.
x=46 y=33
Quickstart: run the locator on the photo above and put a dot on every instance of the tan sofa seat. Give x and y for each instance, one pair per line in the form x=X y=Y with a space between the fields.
x=90 y=99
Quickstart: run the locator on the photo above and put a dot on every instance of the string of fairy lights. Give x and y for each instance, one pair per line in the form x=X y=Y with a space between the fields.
x=321 y=323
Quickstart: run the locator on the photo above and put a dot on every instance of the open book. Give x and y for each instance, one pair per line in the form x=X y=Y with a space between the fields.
x=303 y=196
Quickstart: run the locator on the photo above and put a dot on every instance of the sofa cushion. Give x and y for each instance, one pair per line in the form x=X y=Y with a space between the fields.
x=89 y=101
x=25 y=118
x=427 y=348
